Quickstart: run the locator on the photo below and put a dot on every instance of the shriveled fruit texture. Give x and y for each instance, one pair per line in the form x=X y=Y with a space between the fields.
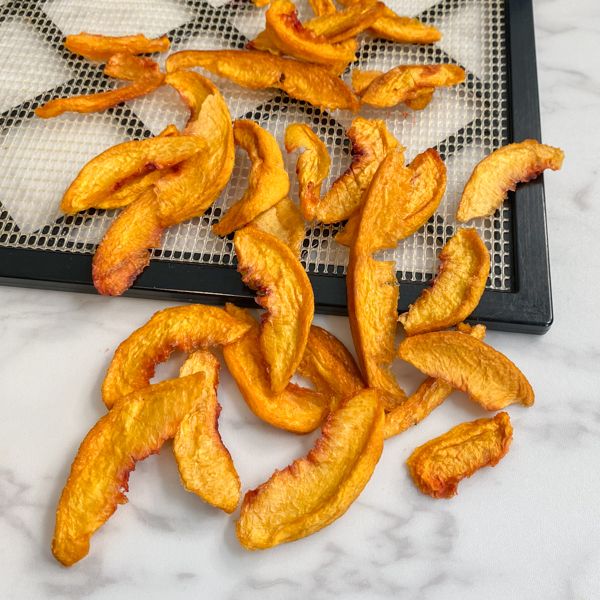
x=295 y=408
x=500 y=172
x=429 y=395
x=129 y=67
x=323 y=7
x=136 y=427
x=284 y=221
x=102 y=47
x=457 y=289
x=371 y=141
x=286 y=34
x=410 y=211
x=108 y=172
x=205 y=465
x=269 y=266
x=186 y=328
x=347 y=24
x=438 y=466
x=469 y=365
x=268 y=181
x=258 y=70
x=149 y=77
x=407 y=82
x=315 y=491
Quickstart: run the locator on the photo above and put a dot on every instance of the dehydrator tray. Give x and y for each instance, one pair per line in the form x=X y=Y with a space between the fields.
x=498 y=103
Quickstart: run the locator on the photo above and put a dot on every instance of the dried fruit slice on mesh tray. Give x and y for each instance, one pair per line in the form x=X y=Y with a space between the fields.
x=102 y=47
x=269 y=266
x=500 y=172
x=469 y=365
x=314 y=491
x=258 y=70
x=438 y=466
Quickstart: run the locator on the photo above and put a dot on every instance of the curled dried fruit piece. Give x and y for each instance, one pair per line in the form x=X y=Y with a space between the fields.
x=413 y=211
x=407 y=82
x=499 y=173
x=136 y=427
x=469 y=365
x=457 y=289
x=322 y=7
x=404 y=30
x=108 y=172
x=145 y=74
x=187 y=328
x=438 y=466
x=429 y=395
x=268 y=181
x=102 y=47
x=205 y=465
x=371 y=141
x=315 y=491
x=258 y=70
x=285 y=222
x=269 y=266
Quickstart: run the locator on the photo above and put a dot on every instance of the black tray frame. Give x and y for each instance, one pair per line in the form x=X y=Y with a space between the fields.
x=527 y=308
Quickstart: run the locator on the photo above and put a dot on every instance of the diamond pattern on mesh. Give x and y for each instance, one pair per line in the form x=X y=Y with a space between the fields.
x=39 y=158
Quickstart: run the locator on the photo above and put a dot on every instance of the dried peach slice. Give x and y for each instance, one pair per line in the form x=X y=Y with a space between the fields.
x=499 y=172
x=429 y=395
x=361 y=79
x=322 y=7
x=268 y=265
x=268 y=181
x=106 y=173
x=406 y=82
x=187 y=328
x=457 y=289
x=205 y=465
x=438 y=466
x=102 y=47
x=258 y=70
x=404 y=30
x=284 y=221
x=315 y=491
x=136 y=427
x=469 y=365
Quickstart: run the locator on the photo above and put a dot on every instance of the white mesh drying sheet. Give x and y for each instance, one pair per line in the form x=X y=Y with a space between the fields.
x=39 y=158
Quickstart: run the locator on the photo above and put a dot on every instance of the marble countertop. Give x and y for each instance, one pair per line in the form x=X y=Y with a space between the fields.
x=529 y=528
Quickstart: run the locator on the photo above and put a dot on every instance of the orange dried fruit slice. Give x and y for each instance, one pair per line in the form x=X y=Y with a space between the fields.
x=129 y=67
x=136 y=427
x=469 y=365
x=187 y=328
x=500 y=172
x=323 y=7
x=284 y=221
x=315 y=491
x=259 y=70
x=438 y=466
x=268 y=181
x=457 y=289
x=204 y=463
x=269 y=266
x=404 y=30
x=102 y=47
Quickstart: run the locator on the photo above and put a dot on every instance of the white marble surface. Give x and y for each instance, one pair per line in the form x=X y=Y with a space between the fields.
x=529 y=528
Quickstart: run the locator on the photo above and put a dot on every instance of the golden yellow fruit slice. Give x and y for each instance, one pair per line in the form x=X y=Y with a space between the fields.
x=102 y=47
x=284 y=221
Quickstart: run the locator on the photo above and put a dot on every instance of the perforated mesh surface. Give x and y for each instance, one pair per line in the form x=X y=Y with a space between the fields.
x=38 y=159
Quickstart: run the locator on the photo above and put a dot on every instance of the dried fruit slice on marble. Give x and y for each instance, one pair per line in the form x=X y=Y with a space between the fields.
x=438 y=466
x=469 y=365
x=205 y=465
x=500 y=172
x=371 y=141
x=269 y=266
x=186 y=328
x=102 y=47
x=258 y=70
x=108 y=172
x=428 y=396
x=136 y=427
x=407 y=82
x=457 y=288
x=268 y=181
x=315 y=491
x=284 y=221
x=413 y=211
